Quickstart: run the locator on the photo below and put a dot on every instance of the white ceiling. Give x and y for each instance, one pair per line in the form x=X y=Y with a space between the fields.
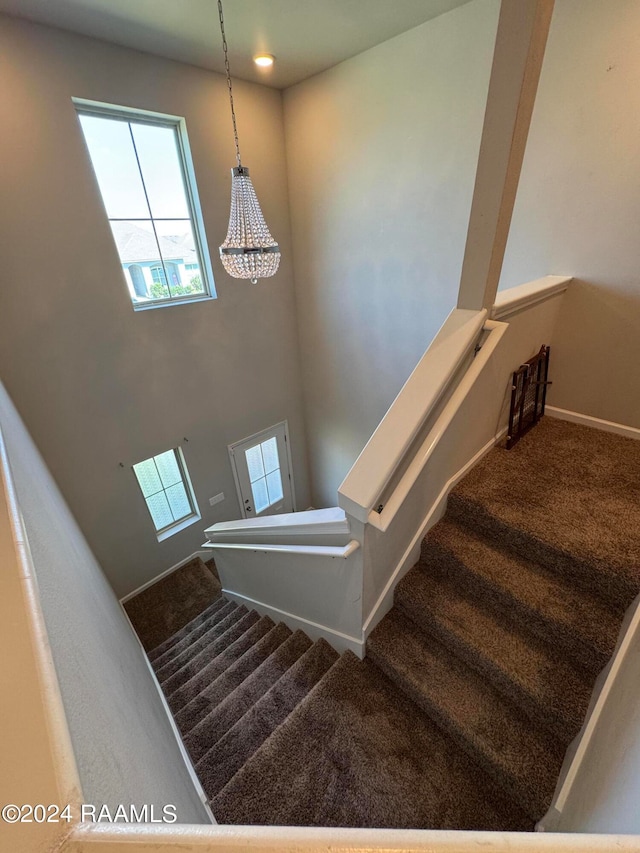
x=306 y=36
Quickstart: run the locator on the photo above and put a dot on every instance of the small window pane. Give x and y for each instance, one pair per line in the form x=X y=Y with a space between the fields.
x=274 y=484
x=178 y=250
x=254 y=463
x=116 y=168
x=160 y=165
x=158 y=275
x=160 y=510
x=270 y=454
x=168 y=468
x=260 y=495
x=140 y=258
x=178 y=501
x=147 y=475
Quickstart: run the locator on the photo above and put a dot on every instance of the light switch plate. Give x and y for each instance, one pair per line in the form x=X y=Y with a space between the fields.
x=216 y=499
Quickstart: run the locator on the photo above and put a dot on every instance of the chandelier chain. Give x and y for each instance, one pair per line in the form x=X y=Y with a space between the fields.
x=229 y=86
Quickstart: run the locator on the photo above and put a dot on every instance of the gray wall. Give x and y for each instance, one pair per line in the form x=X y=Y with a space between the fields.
x=96 y=383
x=578 y=205
x=124 y=746
x=382 y=151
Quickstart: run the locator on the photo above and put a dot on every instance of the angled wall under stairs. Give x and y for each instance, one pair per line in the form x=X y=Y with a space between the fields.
x=475 y=682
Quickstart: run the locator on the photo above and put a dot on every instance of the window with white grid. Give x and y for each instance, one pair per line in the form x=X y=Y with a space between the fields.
x=145 y=176
x=166 y=489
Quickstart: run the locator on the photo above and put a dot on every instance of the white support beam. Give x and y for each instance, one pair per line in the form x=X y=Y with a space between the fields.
x=521 y=39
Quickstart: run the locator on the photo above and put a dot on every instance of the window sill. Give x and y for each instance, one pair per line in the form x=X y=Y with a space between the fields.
x=177 y=527
x=147 y=306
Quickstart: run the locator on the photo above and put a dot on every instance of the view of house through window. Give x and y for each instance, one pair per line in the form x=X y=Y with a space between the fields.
x=166 y=489
x=140 y=169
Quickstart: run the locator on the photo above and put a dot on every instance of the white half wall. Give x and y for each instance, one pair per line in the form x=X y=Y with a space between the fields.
x=479 y=416
x=124 y=745
x=382 y=152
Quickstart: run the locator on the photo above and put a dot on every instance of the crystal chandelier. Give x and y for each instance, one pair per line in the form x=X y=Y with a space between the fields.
x=249 y=250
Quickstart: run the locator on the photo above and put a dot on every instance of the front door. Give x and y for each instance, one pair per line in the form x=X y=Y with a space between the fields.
x=262 y=472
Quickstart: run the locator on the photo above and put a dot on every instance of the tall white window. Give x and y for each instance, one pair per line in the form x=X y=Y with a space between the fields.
x=143 y=170
x=166 y=489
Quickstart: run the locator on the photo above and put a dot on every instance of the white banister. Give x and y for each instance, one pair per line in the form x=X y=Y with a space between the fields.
x=291 y=550
x=393 y=504
x=389 y=444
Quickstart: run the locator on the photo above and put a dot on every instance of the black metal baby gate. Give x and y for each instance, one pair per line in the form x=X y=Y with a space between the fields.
x=528 y=395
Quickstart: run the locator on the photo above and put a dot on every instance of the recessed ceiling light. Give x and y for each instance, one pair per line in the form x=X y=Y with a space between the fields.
x=264 y=60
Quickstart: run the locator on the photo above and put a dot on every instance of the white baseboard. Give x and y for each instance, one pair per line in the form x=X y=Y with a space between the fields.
x=204 y=556
x=410 y=556
x=183 y=750
x=340 y=642
x=596 y=423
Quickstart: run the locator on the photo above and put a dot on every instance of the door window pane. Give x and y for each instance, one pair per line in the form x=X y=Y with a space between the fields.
x=270 y=454
x=274 y=486
x=254 y=463
x=260 y=494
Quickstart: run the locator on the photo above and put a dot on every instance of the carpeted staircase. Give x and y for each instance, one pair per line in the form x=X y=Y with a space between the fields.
x=475 y=682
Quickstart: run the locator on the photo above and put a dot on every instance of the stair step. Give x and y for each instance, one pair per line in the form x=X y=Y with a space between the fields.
x=545 y=686
x=525 y=760
x=154 y=654
x=568 y=497
x=205 y=667
x=176 y=662
x=519 y=589
x=227 y=756
x=190 y=637
x=210 y=727
x=356 y=752
x=195 y=737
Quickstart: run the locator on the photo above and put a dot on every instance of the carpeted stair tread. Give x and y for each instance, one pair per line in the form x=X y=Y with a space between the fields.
x=217 y=722
x=191 y=720
x=356 y=752
x=520 y=666
x=195 y=633
x=227 y=756
x=222 y=653
x=176 y=662
x=160 y=610
x=522 y=758
x=557 y=612
x=567 y=496
x=217 y=605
